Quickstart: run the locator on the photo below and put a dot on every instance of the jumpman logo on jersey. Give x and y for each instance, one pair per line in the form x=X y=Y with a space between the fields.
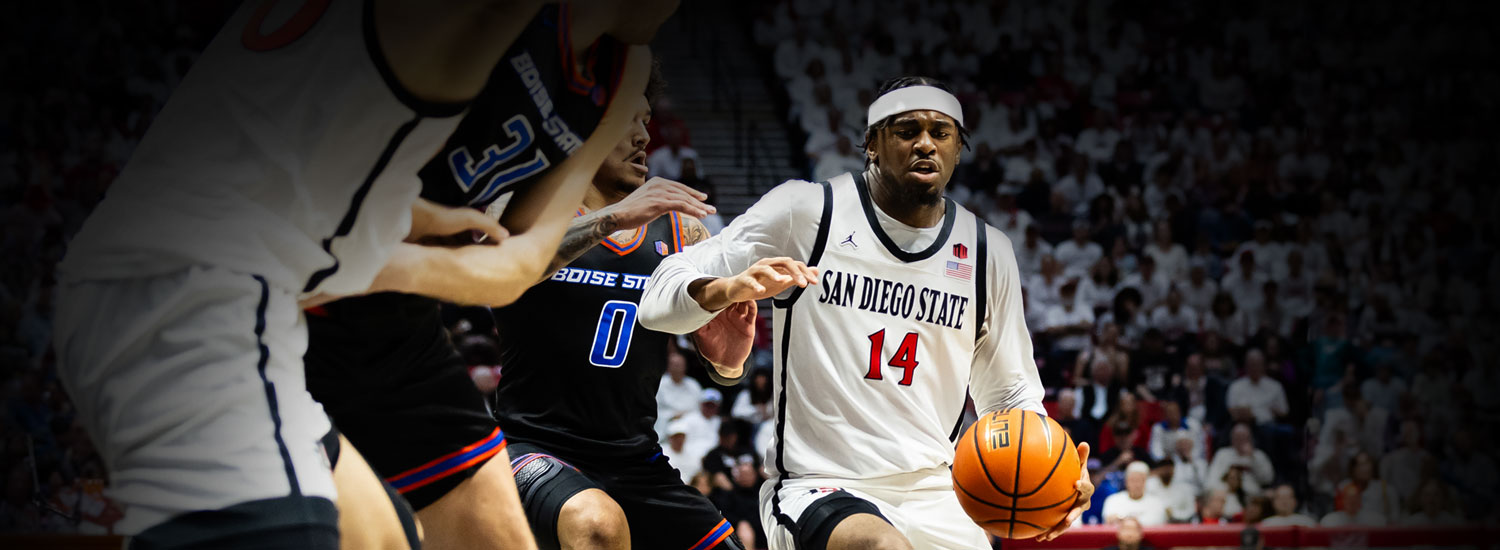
x=849 y=241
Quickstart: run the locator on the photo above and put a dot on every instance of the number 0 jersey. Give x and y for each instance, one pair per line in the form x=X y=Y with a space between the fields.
x=579 y=374
x=873 y=362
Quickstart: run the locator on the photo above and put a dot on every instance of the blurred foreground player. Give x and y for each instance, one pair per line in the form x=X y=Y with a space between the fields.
x=383 y=365
x=912 y=309
x=578 y=396
x=280 y=173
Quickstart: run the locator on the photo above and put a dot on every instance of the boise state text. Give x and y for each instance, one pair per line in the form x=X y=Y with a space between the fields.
x=595 y=277
x=893 y=298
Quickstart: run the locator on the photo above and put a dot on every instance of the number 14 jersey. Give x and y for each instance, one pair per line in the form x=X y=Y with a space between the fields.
x=874 y=362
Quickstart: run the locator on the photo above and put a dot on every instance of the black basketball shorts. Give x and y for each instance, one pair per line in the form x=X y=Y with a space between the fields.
x=393 y=383
x=662 y=511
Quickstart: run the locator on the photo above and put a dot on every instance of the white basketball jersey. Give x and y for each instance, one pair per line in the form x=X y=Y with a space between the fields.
x=873 y=362
x=289 y=151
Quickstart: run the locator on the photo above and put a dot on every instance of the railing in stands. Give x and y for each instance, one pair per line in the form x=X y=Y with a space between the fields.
x=1200 y=536
x=752 y=153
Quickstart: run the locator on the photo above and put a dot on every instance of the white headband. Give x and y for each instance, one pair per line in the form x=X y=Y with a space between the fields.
x=915 y=98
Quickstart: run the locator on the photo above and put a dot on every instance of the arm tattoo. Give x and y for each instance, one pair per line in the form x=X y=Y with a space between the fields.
x=693 y=231
x=583 y=233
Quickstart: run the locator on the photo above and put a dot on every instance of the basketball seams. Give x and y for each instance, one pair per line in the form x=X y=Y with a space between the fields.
x=1067 y=444
x=982 y=466
x=1013 y=521
x=1020 y=452
x=987 y=505
x=959 y=484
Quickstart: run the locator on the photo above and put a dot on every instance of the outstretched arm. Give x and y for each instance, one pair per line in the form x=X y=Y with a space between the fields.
x=443 y=50
x=657 y=197
x=497 y=275
x=689 y=288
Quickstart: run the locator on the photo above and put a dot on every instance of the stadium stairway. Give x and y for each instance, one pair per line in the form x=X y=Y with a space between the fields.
x=718 y=88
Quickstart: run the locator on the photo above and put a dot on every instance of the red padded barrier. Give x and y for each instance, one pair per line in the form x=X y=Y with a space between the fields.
x=1169 y=536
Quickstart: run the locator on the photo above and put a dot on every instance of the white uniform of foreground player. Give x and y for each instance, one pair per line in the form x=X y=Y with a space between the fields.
x=914 y=303
x=873 y=362
x=179 y=334
x=282 y=172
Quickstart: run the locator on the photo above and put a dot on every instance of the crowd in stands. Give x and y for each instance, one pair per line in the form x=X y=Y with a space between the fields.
x=82 y=84
x=1258 y=265
x=1257 y=258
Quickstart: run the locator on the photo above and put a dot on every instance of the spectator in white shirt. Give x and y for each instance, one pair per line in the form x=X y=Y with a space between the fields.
x=1241 y=452
x=1097 y=290
x=1402 y=466
x=678 y=394
x=1226 y=320
x=1079 y=187
x=1097 y=141
x=1172 y=427
x=1358 y=420
x=1296 y=282
x=1189 y=468
x=1007 y=216
x=843 y=159
x=1019 y=169
x=1305 y=163
x=1284 y=504
x=666 y=161
x=1148 y=281
x=1177 y=492
x=702 y=427
x=1134 y=501
x=1353 y=513
x=1078 y=253
x=1377 y=496
x=1268 y=254
x=1270 y=314
x=1433 y=506
x=791 y=56
x=1173 y=317
x=1171 y=258
x=1030 y=251
x=677 y=452
x=1042 y=289
x=1255 y=397
x=753 y=404
x=1067 y=323
x=1199 y=290
x=1243 y=282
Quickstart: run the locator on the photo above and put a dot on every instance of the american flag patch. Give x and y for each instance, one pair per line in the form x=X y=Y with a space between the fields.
x=959 y=271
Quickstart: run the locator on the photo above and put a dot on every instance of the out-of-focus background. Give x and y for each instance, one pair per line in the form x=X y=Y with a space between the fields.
x=1257 y=238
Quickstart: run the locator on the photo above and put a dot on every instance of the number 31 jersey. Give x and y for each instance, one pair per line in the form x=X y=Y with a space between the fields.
x=873 y=363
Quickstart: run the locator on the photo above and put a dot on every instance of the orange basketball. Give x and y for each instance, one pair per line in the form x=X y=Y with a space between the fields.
x=1014 y=472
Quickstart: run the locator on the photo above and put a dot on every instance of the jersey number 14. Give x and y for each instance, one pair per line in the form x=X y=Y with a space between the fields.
x=905 y=357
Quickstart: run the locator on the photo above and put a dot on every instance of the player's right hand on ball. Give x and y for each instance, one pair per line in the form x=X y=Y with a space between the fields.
x=657 y=197
x=767 y=278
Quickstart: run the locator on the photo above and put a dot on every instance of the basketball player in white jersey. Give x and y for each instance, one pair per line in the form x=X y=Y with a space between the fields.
x=916 y=302
x=282 y=172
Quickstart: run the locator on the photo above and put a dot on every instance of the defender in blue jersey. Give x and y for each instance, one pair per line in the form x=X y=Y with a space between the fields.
x=383 y=365
x=577 y=399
